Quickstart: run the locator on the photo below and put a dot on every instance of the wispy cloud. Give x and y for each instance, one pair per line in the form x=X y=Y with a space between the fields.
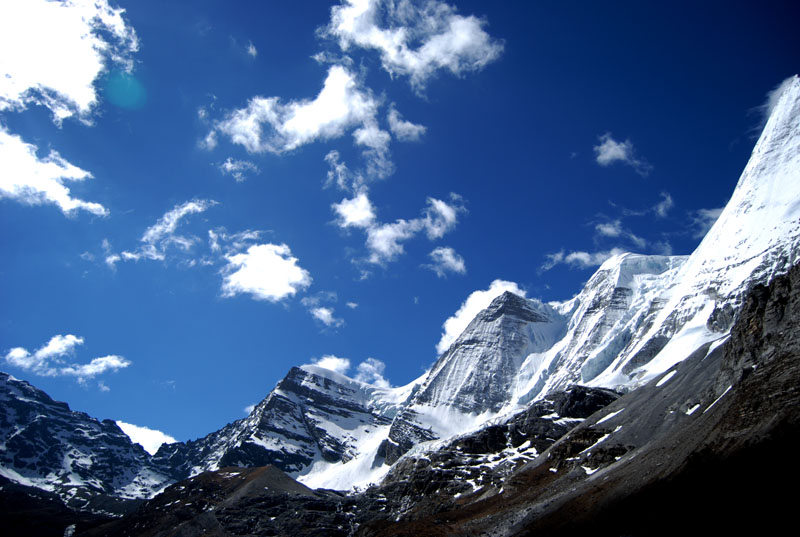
x=385 y=241
x=446 y=259
x=766 y=108
x=403 y=130
x=319 y=305
x=238 y=168
x=580 y=259
x=50 y=360
x=663 y=207
x=251 y=49
x=162 y=235
x=414 y=39
x=609 y=151
x=703 y=219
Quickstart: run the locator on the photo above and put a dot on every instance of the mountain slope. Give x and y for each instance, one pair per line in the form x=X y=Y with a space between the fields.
x=313 y=415
x=46 y=445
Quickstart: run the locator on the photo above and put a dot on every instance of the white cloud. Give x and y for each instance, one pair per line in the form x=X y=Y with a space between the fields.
x=404 y=130
x=662 y=207
x=249 y=409
x=31 y=180
x=772 y=99
x=614 y=229
x=326 y=316
x=149 y=439
x=265 y=271
x=50 y=360
x=334 y=363
x=251 y=49
x=370 y=371
x=610 y=151
x=51 y=53
x=267 y=125
x=418 y=39
x=580 y=259
x=356 y=212
x=475 y=302
x=159 y=237
x=441 y=217
x=96 y=367
x=384 y=241
x=609 y=229
x=238 y=168
x=703 y=219
x=445 y=260
x=352 y=305
x=219 y=240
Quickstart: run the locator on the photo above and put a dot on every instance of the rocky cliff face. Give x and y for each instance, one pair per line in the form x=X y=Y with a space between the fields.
x=312 y=415
x=84 y=461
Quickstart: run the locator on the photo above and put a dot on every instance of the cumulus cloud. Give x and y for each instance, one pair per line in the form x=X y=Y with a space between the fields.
x=162 y=235
x=475 y=302
x=268 y=125
x=38 y=38
x=414 y=39
x=370 y=371
x=31 y=180
x=149 y=439
x=445 y=260
x=403 y=130
x=609 y=151
x=580 y=259
x=355 y=212
x=238 y=168
x=333 y=363
x=384 y=241
x=265 y=271
x=50 y=360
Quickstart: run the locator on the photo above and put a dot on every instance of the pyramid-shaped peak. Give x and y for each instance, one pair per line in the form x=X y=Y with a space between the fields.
x=512 y=304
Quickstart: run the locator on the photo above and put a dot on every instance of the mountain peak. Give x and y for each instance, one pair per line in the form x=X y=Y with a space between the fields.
x=511 y=304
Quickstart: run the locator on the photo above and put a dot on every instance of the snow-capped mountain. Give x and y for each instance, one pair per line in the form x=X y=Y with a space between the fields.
x=46 y=445
x=313 y=417
x=636 y=318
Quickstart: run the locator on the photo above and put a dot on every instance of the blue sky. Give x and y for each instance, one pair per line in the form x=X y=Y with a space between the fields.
x=197 y=196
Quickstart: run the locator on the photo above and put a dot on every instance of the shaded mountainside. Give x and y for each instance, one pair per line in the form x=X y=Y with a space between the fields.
x=89 y=464
x=264 y=501
x=312 y=415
